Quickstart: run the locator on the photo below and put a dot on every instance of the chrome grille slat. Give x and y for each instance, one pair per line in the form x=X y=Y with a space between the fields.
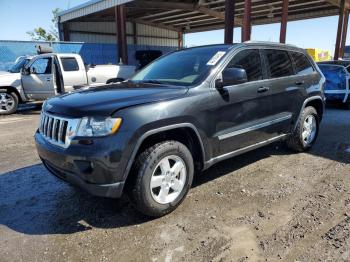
x=49 y=128
x=60 y=131
x=55 y=129
x=41 y=123
x=45 y=125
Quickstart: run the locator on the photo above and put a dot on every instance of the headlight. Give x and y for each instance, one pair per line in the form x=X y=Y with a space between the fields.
x=96 y=126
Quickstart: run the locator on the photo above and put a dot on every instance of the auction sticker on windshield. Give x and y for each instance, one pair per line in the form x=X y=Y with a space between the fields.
x=216 y=58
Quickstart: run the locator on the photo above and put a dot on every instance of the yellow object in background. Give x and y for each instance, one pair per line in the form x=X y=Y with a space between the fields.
x=319 y=55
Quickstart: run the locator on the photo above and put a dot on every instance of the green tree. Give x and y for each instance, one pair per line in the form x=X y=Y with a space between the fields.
x=43 y=35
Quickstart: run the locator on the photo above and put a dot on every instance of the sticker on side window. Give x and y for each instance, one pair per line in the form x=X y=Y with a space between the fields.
x=216 y=58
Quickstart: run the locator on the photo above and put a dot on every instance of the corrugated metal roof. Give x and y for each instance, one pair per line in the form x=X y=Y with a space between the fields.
x=104 y=32
x=190 y=16
x=90 y=7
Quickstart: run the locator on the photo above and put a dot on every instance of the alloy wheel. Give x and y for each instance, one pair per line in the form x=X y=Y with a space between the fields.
x=168 y=179
x=309 y=130
x=7 y=102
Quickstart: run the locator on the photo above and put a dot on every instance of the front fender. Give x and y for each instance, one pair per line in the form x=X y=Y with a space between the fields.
x=157 y=130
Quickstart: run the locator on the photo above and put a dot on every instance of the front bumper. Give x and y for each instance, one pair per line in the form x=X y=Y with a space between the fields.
x=109 y=190
x=97 y=168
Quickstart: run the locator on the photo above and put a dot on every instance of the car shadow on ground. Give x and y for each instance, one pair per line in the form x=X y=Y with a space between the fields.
x=333 y=143
x=34 y=202
x=29 y=109
x=230 y=165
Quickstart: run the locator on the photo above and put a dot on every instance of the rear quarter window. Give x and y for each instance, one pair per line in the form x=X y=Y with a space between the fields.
x=69 y=64
x=302 y=64
x=278 y=63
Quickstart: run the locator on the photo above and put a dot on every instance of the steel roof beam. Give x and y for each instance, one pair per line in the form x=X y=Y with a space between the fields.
x=338 y=3
x=183 y=6
x=293 y=16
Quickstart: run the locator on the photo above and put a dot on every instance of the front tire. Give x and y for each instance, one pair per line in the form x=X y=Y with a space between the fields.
x=164 y=174
x=305 y=134
x=8 y=103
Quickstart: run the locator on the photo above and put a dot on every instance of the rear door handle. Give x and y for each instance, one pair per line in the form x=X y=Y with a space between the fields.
x=48 y=79
x=263 y=89
x=299 y=83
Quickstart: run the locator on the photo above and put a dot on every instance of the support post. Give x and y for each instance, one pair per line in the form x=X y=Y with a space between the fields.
x=229 y=20
x=247 y=25
x=344 y=34
x=60 y=31
x=119 y=13
x=134 y=27
x=180 y=40
x=65 y=32
x=340 y=30
x=284 y=21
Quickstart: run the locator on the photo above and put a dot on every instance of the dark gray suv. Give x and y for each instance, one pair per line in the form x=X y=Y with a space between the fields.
x=184 y=112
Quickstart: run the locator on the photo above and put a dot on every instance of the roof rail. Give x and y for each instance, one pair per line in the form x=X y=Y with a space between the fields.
x=267 y=42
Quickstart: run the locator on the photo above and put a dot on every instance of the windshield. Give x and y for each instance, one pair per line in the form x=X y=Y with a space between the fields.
x=16 y=68
x=186 y=67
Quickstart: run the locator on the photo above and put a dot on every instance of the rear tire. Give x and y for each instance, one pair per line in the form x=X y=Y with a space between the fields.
x=305 y=134
x=8 y=103
x=164 y=174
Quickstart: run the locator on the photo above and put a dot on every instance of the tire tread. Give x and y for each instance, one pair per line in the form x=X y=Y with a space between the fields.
x=141 y=164
x=294 y=142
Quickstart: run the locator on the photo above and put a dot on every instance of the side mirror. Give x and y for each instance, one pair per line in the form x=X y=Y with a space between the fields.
x=232 y=76
x=25 y=71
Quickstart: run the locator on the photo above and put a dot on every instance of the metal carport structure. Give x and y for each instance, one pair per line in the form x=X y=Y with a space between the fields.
x=176 y=18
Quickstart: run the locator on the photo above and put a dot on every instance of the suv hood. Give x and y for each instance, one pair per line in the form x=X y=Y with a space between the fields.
x=105 y=100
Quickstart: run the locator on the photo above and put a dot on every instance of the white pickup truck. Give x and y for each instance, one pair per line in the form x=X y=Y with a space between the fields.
x=50 y=74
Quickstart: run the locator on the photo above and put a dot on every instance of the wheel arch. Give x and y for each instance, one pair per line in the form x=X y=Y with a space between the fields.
x=314 y=101
x=185 y=133
x=12 y=89
x=317 y=104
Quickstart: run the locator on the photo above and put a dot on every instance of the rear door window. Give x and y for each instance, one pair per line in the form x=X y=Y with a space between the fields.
x=69 y=64
x=302 y=64
x=250 y=61
x=279 y=63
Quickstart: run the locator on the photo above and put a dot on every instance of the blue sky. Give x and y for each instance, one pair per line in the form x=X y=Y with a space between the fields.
x=312 y=33
x=19 y=16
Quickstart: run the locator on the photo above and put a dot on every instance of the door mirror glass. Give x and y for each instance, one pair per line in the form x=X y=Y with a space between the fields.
x=232 y=76
x=25 y=71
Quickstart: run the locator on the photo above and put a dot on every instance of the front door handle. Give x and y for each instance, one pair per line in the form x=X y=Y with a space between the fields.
x=263 y=89
x=299 y=83
x=48 y=79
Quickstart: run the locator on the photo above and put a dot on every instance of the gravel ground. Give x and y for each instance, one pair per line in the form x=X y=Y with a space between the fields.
x=266 y=205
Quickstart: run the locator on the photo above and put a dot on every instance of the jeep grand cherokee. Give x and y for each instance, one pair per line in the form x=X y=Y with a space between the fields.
x=184 y=112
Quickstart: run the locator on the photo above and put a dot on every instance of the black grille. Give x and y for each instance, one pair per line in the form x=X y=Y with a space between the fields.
x=53 y=128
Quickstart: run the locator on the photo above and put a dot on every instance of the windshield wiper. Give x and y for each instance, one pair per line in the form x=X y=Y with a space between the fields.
x=152 y=81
